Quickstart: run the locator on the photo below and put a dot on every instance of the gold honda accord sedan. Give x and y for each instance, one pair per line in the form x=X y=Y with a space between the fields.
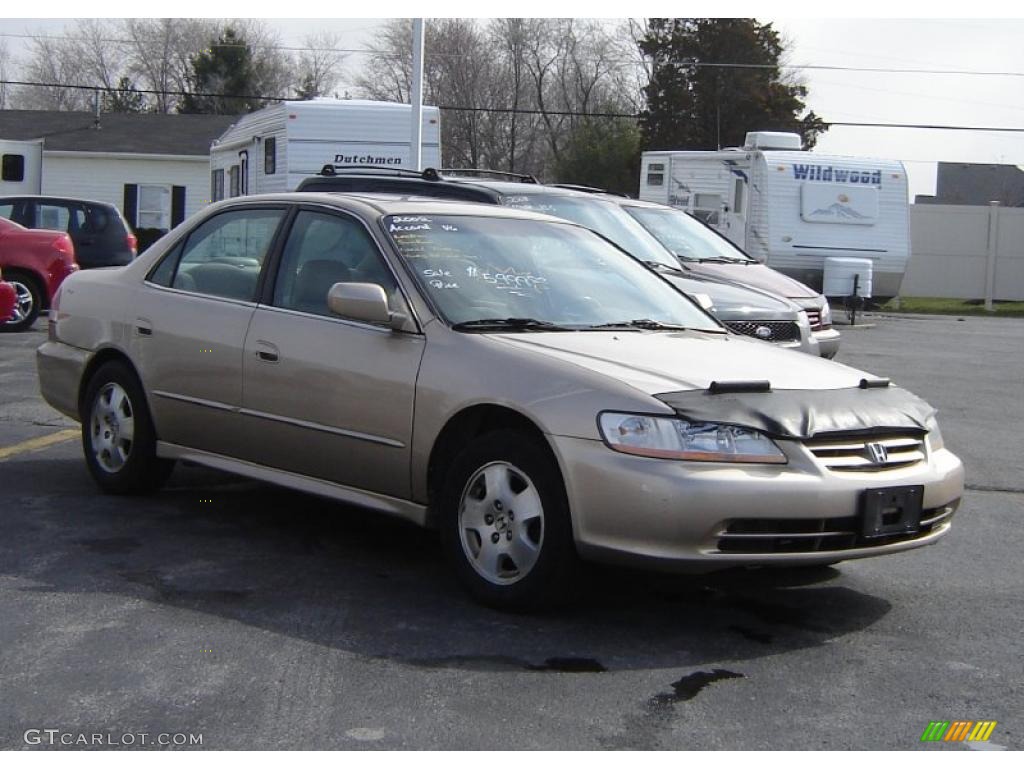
x=514 y=380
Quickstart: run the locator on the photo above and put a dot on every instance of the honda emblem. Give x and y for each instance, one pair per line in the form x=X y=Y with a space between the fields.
x=878 y=453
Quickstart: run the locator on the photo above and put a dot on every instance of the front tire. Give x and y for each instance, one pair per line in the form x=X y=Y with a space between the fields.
x=118 y=437
x=28 y=302
x=505 y=523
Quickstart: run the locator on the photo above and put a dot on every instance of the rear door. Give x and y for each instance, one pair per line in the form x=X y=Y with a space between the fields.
x=189 y=324
x=329 y=397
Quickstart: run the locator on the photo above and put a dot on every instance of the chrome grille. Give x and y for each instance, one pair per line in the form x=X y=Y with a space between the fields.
x=814 y=317
x=787 y=535
x=868 y=454
x=778 y=330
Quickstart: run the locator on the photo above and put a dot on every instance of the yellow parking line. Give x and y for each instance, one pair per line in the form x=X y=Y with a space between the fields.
x=38 y=443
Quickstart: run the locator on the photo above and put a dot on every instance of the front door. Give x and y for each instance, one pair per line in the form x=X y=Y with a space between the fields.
x=329 y=397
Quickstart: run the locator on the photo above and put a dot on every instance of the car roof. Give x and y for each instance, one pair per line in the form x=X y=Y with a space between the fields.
x=61 y=198
x=517 y=187
x=394 y=204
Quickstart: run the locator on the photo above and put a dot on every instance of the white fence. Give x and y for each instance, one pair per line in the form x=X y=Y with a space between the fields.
x=966 y=252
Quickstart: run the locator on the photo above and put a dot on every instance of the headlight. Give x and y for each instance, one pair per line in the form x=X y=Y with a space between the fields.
x=664 y=437
x=826 y=313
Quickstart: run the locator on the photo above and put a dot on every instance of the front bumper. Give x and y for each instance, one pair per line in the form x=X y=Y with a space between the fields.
x=828 y=342
x=672 y=515
x=60 y=369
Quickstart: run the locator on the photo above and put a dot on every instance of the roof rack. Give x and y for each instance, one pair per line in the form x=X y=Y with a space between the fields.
x=430 y=174
x=593 y=190
x=523 y=177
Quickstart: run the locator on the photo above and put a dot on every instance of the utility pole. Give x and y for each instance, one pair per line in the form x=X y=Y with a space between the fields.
x=416 y=143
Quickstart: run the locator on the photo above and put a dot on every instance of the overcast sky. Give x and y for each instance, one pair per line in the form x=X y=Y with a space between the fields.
x=976 y=45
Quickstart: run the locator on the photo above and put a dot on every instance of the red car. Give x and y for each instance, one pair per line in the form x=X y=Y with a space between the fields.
x=8 y=298
x=35 y=263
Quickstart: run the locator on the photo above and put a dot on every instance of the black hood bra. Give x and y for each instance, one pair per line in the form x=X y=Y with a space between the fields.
x=803 y=414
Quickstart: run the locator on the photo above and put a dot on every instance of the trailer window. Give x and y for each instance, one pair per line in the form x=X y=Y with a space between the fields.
x=656 y=175
x=707 y=207
x=737 y=200
x=233 y=181
x=14 y=168
x=270 y=157
x=217 y=185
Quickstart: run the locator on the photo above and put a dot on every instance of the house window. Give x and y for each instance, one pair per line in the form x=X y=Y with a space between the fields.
x=14 y=168
x=656 y=175
x=270 y=157
x=233 y=181
x=154 y=206
x=217 y=185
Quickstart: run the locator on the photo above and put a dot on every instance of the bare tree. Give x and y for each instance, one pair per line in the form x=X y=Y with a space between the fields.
x=5 y=73
x=319 y=67
x=160 y=52
x=52 y=63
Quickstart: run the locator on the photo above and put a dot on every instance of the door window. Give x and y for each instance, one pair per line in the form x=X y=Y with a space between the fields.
x=223 y=255
x=217 y=185
x=65 y=218
x=322 y=250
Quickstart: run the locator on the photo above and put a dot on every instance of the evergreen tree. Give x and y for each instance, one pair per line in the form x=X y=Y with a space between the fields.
x=124 y=98
x=602 y=153
x=706 y=107
x=224 y=79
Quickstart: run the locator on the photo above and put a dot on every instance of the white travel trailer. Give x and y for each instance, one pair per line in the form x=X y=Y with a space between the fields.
x=22 y=167
x=789 y=208
x=275 y=148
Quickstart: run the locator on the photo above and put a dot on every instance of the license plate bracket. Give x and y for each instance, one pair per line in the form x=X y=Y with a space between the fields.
x=888 y=511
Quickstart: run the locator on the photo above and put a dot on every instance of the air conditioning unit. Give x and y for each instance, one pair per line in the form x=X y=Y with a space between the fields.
x=773 y=140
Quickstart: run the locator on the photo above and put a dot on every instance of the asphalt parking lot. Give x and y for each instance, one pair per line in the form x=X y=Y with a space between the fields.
x=266 y=619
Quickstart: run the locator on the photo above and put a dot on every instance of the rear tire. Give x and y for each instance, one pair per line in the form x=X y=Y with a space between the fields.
x=118 y=437
x=29 y=301
x=505 y=523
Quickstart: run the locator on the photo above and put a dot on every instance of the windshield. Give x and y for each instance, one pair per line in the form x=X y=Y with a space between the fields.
x=685 y=236
x=478 y=268
x=604 y=217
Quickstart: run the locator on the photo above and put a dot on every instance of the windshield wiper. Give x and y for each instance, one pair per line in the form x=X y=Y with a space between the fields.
x=507 y=323
x=646 y=324
x=659 y=266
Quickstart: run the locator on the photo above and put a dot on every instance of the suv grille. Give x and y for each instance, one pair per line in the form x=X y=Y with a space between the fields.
x=814 y=316
x=779 y=330
x=860 y=454
x=760 y=536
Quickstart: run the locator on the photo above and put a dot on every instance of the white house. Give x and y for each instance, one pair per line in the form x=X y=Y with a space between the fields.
x=155 y=168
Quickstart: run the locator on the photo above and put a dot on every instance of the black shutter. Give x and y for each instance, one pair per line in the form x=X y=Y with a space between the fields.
x=131 y=204
x=177 y=206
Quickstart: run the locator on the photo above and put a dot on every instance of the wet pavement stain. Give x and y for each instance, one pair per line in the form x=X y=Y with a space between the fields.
x=688 y=686
x=484 y=663
x=752 y=634
x=118 y=545
x=568 y=664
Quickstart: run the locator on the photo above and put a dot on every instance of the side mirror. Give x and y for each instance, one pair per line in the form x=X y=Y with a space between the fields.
x=704 y=301
x=366 y=302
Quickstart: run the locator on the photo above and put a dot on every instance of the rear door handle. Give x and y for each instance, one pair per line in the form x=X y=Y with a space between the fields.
x=266 y=352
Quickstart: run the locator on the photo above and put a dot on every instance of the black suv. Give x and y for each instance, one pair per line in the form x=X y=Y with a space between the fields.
x=101 y=236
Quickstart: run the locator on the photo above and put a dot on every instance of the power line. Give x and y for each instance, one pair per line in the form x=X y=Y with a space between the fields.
x=508 y=110
x=459 y=55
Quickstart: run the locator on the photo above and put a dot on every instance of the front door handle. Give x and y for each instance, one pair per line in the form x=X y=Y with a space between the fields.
x=266 y=352
x=143 y=327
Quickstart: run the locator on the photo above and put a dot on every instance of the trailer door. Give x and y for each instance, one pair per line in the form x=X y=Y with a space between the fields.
x=734 y=211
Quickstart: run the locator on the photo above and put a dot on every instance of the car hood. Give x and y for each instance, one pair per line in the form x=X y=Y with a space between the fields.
x=655 y=362
x=757 y=275
x=735 y=302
